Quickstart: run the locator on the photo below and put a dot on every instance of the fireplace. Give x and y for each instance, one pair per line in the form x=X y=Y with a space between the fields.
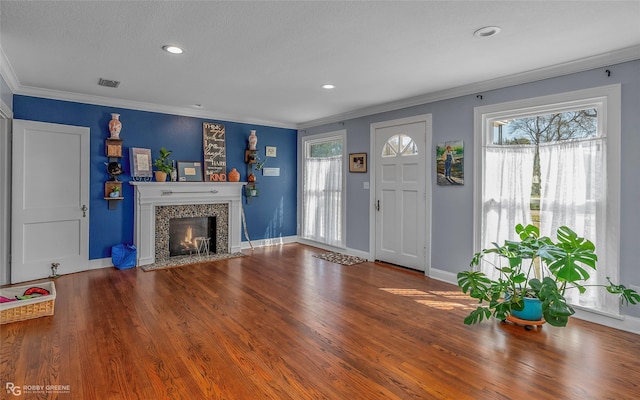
x=192 y=235
x=157 y=203
x=169 y=215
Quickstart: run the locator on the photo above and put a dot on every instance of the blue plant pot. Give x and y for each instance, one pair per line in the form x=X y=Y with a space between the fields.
x=532 y=310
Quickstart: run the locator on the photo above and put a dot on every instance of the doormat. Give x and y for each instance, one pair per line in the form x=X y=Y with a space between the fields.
x=191 y=259
x=338 y=258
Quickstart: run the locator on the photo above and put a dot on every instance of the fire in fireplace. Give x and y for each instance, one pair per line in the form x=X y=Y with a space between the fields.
x=186 y=234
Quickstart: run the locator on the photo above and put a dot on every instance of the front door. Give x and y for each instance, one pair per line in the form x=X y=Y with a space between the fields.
x=400 y=193
x=50 y=199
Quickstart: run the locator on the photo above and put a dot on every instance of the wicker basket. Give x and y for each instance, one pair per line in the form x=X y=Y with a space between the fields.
x=21 y=310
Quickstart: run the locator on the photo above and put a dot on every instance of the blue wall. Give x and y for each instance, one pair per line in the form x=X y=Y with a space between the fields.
x=271 y=215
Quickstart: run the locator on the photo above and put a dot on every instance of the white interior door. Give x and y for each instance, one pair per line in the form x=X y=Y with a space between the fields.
x=400 y=194
x=50 y=199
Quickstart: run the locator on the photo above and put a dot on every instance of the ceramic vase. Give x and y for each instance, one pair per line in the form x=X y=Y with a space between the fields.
x=253 y=140
x=234 y=176
x=115 y=126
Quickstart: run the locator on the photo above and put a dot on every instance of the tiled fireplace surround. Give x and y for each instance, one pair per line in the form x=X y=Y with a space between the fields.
x=156 y=202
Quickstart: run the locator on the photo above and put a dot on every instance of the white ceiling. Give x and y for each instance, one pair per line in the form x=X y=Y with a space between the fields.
x=265 y=62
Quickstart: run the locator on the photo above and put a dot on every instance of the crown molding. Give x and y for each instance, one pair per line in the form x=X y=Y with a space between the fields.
x=5 y=110
x=7 y=72
x=142 y=106
x=571 y=67
x=584 y=64
x=10 y=77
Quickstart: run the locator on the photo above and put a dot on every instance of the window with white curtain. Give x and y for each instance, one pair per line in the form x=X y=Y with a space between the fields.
x=322 y=192
x=549 y=161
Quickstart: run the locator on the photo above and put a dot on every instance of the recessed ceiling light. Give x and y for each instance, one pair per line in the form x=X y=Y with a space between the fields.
x=172 y=49
x=328 y=86
x=487 y=31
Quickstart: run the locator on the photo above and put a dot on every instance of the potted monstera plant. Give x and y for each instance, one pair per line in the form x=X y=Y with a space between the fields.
x=535 y=270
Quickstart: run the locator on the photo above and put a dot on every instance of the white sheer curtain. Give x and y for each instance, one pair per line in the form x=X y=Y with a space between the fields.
x=507 y=195
x=573 y=175
x=322 y=196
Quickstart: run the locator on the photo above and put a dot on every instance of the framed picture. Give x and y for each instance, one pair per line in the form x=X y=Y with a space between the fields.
x=189 y=171
x=358 y=162
x=450 y=163
x=140 y=163
x=270 y=151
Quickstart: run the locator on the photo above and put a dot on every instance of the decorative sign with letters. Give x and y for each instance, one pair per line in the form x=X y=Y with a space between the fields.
x=215 y=154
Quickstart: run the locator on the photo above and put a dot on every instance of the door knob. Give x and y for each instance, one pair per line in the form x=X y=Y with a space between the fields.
x=84 y=210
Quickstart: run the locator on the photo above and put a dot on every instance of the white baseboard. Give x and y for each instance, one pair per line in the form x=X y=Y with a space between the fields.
x=358 y=253
x=445 y=276
x=623 y=322
x=269 y=242
x=343 y=250
x=98 y=263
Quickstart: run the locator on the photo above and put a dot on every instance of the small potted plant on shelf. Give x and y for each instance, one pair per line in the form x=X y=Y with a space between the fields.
x=163 y=165
x=537 y=273
x=115 y=191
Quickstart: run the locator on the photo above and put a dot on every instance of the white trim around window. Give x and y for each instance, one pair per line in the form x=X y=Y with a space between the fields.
x=303 y=141
x=608 y=101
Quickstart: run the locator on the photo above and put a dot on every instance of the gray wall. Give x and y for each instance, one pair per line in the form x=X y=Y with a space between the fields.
x=452 y=207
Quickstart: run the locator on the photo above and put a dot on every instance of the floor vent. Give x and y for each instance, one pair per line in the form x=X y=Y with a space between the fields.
x=108 y=83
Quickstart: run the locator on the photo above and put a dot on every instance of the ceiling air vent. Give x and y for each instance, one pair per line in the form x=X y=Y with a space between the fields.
x=108 y=83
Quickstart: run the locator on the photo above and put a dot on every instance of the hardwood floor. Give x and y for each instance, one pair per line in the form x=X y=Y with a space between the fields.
x=281 y=324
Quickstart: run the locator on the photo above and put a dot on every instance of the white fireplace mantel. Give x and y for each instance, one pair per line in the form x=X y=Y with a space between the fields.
x=148 y=195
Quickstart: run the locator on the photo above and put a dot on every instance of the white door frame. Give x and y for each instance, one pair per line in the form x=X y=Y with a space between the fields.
x=426 y=118
x=5 y=192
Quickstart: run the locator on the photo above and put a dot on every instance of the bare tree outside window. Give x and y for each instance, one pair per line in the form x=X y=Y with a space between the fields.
x=547 y=128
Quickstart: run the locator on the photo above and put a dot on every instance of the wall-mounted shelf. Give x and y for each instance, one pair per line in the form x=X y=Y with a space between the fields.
x=250 y=189
x=113 y=148
x=251 y=156
x=113 y=151
x=108 y=189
